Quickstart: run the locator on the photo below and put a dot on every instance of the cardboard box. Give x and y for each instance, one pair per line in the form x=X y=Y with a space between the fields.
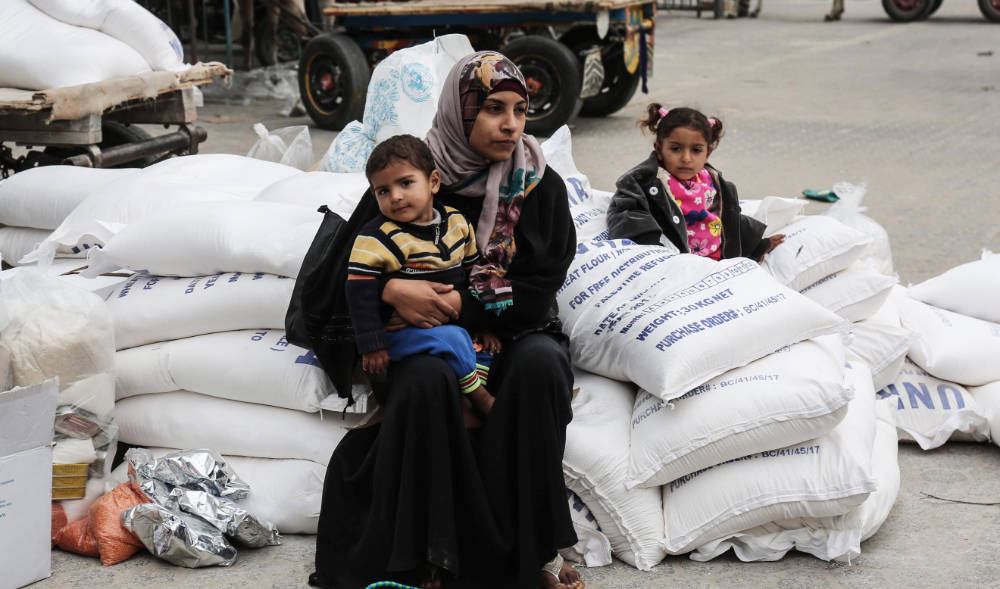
x=26 y=418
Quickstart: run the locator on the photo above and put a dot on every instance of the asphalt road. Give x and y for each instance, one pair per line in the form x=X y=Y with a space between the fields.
x=909 y=109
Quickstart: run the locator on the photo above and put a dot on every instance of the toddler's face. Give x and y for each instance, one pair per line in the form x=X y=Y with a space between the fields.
x=683 y=153
x=405 y=193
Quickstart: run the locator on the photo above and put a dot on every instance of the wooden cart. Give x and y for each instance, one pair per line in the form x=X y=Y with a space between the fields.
x=578 y=56
x=89 y=124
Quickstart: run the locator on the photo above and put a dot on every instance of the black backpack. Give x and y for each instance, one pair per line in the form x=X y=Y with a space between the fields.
x=317 y=316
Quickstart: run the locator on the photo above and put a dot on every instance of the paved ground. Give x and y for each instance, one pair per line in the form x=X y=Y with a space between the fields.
x=911 y=109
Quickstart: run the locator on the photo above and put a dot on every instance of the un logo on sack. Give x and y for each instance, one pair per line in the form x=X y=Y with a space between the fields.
x=417 y=81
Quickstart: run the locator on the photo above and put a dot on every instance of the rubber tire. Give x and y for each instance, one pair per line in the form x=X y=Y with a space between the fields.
x=990 y=12
x=263 y=51
x=346 y=54
x=899 y=15
x=564 y=65
x=580 y=39
x=113 y=134
x=935 y=4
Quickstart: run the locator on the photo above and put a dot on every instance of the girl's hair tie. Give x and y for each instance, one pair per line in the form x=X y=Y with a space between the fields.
x=663 y=112
x=712 y=121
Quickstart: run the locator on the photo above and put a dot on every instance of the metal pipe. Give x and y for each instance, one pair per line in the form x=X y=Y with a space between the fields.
x=182 y=139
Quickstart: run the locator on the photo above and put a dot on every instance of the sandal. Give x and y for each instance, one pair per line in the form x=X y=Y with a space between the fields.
x=554 y=567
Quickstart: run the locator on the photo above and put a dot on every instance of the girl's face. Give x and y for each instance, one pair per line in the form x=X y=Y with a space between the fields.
x=683 y=153
x=499 y=126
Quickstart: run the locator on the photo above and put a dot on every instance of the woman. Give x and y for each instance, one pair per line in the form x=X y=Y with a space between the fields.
x=419 y=498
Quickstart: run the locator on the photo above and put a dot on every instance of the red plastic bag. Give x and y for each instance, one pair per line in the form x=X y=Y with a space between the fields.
x=59 y=520
x=114 y=542
x=76 y=537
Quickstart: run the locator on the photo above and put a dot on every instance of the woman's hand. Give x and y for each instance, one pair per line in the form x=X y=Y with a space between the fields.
x=421 y=303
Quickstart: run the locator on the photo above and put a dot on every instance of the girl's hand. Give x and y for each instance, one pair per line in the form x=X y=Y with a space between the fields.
x=376 y=362
x=490 y=342
x=420 y=303
x=773 y=242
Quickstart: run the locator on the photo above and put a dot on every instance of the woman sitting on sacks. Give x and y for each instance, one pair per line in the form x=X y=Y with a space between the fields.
x=420 y=498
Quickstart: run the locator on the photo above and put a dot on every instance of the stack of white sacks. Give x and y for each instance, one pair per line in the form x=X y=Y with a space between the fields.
x=716 y=406
x=54 y=43
x=206 y=248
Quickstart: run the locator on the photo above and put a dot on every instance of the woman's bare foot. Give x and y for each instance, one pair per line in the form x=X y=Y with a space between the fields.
x=568 y=578
x=482 y=400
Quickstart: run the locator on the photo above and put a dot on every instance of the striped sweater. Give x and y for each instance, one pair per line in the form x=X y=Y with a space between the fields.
x=443 y=252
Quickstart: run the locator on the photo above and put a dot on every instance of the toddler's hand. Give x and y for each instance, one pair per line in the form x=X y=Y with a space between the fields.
x=375 y=362
x=490 y=342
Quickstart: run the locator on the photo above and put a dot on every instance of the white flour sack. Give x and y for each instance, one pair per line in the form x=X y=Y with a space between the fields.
x=595 y=465
x=42 y=197
x=255 y=366
x=824 y=477
x=795 y=394
x=815 y=247
x=988 y=397
x=187 y=420
x=882 y=346
x=587 y=205
x=212 y=237
x=669 y=322
x=158 y=188
x=849 y=211
x=126 y=21
x=147 y=309
x=287 y=493
x=854 y=293
x=828 y=538
x=592 y=547
x=931 y=411
x=951 y=346
x=15 y=242
x=971 y=289
x=39 y=52
x=775 y=212
x=340 y=192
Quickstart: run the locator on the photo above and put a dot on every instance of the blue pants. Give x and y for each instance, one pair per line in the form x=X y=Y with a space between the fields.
x=451 y=343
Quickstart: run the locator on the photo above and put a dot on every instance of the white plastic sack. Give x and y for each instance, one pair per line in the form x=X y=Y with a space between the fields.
x=595 y=465
x=160 y=187
x=402 y=98
x=148 y=309
x=848 y=210
x=931 y=411
x=43 y=197
x=287 y=493
x=854 y=293
x=77 y=509
x=15 y=242
x=951 y=346
x=988 y=397
x=341 y=193
x=824 y=477
x=188 y=420
x=827 y=538
x=775 y=212
x=39 y=52
x=125 y=20
x=291 y=146
x=209 y=238
x=815 y=247
x=57 y=330
x=795 y=394
x=670 y=322
x=971 y=289
x=883 y=347
x=592 y=548
x=254 y=366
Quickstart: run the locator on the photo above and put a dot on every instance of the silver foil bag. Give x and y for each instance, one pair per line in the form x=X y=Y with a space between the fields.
x=201 y=469
x=142 y=474
x=178 y=538
x=231 y=519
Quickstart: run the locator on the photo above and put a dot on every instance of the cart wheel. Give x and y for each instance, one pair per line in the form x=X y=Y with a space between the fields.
x=270 y=51
x=113 y=134
x=553 y=77
x=935 y=4
x=333 y=80
x=905 y=10
x=990 y=10
x=618 y=87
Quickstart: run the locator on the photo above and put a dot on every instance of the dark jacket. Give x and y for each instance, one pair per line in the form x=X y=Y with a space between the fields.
x=641 y=211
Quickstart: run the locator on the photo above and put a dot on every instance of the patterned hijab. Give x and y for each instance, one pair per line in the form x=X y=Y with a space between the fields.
x=502 y=185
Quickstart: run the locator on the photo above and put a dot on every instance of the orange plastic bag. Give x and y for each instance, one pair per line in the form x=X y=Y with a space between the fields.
x=76 y=537
x=59 y=520
x=114 y=542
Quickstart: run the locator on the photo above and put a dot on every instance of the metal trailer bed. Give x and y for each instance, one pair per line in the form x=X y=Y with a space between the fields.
x=88 y=125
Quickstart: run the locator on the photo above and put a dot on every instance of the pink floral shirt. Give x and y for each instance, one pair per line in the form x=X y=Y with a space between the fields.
x=695 y=198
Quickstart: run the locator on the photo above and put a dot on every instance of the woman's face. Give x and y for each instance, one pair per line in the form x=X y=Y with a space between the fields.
x=499 y=126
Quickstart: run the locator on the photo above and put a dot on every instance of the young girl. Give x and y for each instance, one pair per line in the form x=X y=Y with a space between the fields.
x=676 y=197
